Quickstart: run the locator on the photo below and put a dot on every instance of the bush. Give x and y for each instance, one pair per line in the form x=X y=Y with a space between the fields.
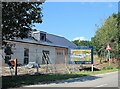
x=108 y=68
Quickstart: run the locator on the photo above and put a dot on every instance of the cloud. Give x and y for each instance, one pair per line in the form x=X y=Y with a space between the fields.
x=80 y=38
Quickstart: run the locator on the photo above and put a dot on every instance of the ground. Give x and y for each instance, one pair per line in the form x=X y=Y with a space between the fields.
x=28 y=76
x=62 y=68
x=101 y=80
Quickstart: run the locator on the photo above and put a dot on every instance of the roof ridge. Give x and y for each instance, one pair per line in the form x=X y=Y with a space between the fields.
x=55 y=35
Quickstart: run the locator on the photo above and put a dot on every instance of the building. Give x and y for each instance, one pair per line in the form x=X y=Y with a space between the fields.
x=41 y=46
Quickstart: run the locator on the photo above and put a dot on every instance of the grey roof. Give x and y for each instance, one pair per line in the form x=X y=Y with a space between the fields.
x=32 y=41
x=51 y=40
x=57 y=40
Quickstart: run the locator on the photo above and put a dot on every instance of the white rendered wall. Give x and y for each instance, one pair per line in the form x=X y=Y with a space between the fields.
x=35 y=52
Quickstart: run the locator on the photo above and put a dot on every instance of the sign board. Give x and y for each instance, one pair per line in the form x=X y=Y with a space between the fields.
x=108 y=47
x=82 y=55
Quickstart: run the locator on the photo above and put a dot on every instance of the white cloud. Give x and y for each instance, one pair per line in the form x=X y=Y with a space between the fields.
x=80 y=38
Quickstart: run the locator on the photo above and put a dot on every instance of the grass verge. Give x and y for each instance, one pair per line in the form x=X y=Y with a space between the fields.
x=18 y=81
x=107 y=70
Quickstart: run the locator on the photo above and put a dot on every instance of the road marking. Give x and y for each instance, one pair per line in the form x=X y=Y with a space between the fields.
x=102 y=85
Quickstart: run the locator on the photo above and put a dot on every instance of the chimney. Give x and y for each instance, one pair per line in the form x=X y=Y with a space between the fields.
x=36 y=35
x=39 y=35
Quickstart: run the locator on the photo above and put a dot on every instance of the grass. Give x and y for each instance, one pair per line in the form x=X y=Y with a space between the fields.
x=99 y=72
x=18 y=81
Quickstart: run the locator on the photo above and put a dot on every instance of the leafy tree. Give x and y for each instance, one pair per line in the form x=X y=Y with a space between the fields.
x=118 y=40
x=18 y=18
x=76 y=42
x=8 y=52
x=82 y=43
x=107 y=34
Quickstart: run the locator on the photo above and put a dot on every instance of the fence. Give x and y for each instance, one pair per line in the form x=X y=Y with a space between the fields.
x=44 y=69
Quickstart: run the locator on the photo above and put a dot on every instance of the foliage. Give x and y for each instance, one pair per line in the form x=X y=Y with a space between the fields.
x=18 y=18
x=107 y=34
x=82 y=43
x=17 y=21
x=118 y=34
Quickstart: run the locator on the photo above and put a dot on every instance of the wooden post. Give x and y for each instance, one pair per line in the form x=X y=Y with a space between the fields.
x=15 y=67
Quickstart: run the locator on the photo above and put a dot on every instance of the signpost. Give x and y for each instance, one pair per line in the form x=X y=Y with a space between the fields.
x=108 y=48
x=82 y=55
x=13 y=63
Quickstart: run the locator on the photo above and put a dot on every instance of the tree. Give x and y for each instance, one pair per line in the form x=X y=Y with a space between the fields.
x=118 y=19
x=107 y=34
x=82 y=43
x=18 y=18
x=8 y=52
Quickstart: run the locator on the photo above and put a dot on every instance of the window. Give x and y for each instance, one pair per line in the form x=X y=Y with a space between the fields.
x=42 y=36
x=60 y=53
x=26 y=56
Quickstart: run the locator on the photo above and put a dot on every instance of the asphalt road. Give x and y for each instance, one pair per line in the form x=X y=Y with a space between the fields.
x=101 y=80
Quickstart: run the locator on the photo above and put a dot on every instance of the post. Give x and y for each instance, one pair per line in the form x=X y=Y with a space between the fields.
x=109 y=56
x=92 y=59
x=37 y=67
x=108 y=48
x=92 y=67
x=15 y=67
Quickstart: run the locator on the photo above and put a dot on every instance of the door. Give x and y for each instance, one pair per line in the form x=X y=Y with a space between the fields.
x=60 y=56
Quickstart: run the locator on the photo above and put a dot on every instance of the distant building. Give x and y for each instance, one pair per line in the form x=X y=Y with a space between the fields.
x=41 y=46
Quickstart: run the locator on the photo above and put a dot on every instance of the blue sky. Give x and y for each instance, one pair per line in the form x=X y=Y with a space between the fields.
x=74 y=20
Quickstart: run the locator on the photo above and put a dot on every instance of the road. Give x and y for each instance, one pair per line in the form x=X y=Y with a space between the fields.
x=101 y=80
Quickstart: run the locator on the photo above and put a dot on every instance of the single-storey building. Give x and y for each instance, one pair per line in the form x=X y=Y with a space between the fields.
x=41 y=46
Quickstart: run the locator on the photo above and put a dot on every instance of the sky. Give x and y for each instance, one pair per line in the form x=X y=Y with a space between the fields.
x=75 y=20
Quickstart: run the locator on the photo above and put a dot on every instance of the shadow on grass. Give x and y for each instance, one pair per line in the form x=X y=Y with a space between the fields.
x=81 y=79
x=21 y=80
